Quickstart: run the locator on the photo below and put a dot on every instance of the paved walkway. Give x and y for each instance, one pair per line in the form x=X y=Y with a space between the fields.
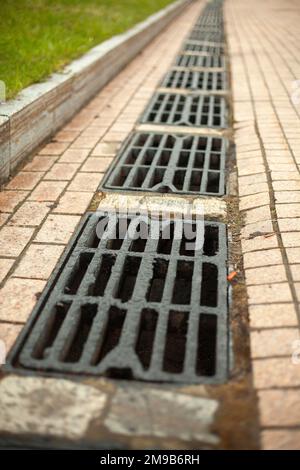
x=42 y=205
x=265 y=63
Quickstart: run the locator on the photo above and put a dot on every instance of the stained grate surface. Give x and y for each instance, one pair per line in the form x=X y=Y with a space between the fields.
x=195 y=80
x=151 y=309
x=203 y=48
x=196 y=60
x=169 y=163
x=186 y=110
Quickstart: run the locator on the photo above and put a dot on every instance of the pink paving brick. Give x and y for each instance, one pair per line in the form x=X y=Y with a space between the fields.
x=57 y=229
x=9 y=334
x=73 y=202
x=73 y=155
x=86 y=182
x=5 y=265
x=18 y=297
x=9 y=200
x=38 y=261
x=30 y=214
x=14 y=239
x=25 y=180
x=48 y=191
x=62 y=171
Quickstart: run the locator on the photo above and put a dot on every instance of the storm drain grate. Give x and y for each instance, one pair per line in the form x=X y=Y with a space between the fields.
x=170 y=164
x=203 y=48
x=186 y=110
x=196 y=60
x=195 y=80
x=151 y=308
x=199 y=35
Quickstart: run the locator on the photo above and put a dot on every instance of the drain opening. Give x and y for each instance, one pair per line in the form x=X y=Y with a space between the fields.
x=151 y=320
x=192 y=164
x=201 y=47
x=196 y=60
x=186 y=110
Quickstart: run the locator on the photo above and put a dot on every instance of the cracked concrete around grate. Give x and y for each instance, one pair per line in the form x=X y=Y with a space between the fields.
x=43 y=204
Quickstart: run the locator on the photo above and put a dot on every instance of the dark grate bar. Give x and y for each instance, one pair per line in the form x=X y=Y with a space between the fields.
x=186 y=110
x=203 y=48
x=195 y=80
x=170 y=164
x=153 y=311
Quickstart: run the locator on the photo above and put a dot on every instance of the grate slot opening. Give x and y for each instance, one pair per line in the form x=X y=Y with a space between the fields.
x=87 y=315
x=157 y=282
x=128 y=278
x=112 y=333
x=175 y=346
x=183 y=283
x=207 y=342
x=81 y=266
x=146 y=335
x=103 y=276
x=121 y=177
x=213 y=182
x=209 y=288
x=51 y=331
x=211 y=240
x=187 y=247
x=165 y=242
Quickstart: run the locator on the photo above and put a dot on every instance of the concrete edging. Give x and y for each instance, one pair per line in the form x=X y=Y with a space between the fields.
x=43 y=108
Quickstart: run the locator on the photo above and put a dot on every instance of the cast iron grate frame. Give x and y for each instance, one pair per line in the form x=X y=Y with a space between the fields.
x=186 y=110
x=203 y=48
x=196 y=60
x=195 y=80
x=39 y=350
x=169 y=163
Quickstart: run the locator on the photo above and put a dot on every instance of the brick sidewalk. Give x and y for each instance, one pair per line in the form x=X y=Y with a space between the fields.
x=264 y=51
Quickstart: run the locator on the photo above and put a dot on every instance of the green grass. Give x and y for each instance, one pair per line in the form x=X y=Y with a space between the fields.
x=38 y=37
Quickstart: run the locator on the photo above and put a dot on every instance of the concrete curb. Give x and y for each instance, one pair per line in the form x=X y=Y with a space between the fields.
x=41 y=109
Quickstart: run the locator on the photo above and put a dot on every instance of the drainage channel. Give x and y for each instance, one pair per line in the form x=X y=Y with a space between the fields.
x=136 y=307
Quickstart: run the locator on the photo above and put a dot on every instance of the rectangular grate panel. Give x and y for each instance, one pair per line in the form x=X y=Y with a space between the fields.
x=195 y=80
x=196 y=60
x=205 y=49
x=152 y=309
x=170 y=164
x=186 y=110
x=199 y=35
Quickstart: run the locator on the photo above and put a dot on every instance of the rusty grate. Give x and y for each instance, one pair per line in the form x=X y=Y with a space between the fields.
x=186 y=110
x=170 y=164
x=203 y=48
x=195 y=80
x=196 y=60
x=152 y=308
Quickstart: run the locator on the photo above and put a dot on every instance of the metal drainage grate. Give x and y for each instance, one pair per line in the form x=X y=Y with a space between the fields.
x=195 y=80
x=199 y=35
x=146 y=308
x=202 y=48
x=196 y=60
x=186 y=110
x=167 y=163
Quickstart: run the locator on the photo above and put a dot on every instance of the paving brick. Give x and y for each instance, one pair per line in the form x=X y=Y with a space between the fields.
x=40 y=164
x=289 y=225
x=288 y=210
x=257 y=229
x=269 y=293
x=14 y=239
x=66 y=136
x=257 y=215
x=248 y=189
x=274 y=342
x=262 y=258
x=85 y=182
x=73 y=202
x=273 y=315
x=279 y=408
x=57 y=229
x=295 y=269
x=287 y=196
x=86 y=142
x=265 y=275
x=259 y=243
x=5 y=265
x=73 y=155
x=281 y=439
x=54 y=148
x=96 y=164
x=282 y=186
x=3 y=218
x=9 y=200
x=25 y=180
x=9 y=334
x=30 y=214
x=275 y=372
x=48 y=191
x=291 y=239
x=293 y=255
x=38 y=261
x=105 y=149
x=62 y=171
x=18 y=297
x=255 y=200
